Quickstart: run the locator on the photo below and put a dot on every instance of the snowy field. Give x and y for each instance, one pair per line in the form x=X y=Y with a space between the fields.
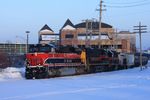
x=131 y=84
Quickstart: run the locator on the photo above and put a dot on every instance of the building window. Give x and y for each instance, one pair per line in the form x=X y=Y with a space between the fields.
x=83 y=36
x=69 y=36
x=51 y=37
x=119 y=46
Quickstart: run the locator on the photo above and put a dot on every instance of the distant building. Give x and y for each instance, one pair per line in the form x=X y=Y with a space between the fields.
x=47 y=35
x=13 y=49
x=146 y=51
x=87 y=34
x=128 y=41
x=12 y=55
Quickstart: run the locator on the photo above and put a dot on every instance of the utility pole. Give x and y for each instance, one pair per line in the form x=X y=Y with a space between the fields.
x=116 y=42
x=87 y=27
x=87 y=21
x=140 y=29
x=89 y=31
x=100 y=21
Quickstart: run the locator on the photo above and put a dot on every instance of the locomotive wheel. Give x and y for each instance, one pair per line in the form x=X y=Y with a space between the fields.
x=41 y=72
x=28 y=76
x=79 y=70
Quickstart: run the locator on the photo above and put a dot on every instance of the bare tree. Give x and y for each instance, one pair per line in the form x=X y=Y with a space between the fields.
x=5 y=60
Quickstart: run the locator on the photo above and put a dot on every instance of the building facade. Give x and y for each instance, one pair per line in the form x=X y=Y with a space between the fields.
x=47 y=36
x=87 y=34
x=128 y=41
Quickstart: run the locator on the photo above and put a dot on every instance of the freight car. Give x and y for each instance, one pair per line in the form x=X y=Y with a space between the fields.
x=44 y=61
x=145 y=59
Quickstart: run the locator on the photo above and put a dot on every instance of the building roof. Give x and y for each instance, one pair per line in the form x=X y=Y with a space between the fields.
x=46 y=27
x=68 y=24
x=95 y=25
x=125 y=32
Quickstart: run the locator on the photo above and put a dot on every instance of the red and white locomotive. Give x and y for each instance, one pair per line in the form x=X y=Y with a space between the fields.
x=43 y=61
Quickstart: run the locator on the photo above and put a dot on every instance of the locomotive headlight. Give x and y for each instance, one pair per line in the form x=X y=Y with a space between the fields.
x=35 y=53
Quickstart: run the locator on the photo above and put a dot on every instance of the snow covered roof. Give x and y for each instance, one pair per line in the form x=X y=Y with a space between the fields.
x=68 y=25
x=46 y=29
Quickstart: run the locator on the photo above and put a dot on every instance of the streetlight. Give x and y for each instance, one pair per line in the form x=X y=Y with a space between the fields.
x=27 y=42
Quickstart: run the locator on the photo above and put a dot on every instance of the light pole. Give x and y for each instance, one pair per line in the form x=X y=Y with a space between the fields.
x=27 y=42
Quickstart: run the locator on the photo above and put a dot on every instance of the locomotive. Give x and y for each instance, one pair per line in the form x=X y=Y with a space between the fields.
x=44 y=61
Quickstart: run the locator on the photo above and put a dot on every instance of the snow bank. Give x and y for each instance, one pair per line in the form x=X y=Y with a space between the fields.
x=131 y=84
x=11 y=73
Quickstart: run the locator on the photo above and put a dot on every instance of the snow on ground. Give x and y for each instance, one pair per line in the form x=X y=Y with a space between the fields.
x=11 y=73
x=131 y=84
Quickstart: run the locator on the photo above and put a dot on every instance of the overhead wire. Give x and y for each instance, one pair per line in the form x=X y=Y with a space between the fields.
x=134 y=2
x=127 y=5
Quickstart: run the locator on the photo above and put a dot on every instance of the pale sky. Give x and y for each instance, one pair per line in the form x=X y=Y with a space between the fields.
x=18 y=16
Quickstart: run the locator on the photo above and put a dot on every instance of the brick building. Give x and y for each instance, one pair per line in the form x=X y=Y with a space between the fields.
x=87 y=34
x=128 y=41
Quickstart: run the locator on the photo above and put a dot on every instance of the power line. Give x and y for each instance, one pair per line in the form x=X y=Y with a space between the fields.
x=125 y=3
x=127 y=6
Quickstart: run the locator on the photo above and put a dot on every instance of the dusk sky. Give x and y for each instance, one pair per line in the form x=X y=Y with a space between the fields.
x=18 y=16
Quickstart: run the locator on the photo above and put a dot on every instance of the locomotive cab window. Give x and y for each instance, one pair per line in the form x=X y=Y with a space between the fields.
x=49 y=61
x=33 y=49
x=44 y=49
